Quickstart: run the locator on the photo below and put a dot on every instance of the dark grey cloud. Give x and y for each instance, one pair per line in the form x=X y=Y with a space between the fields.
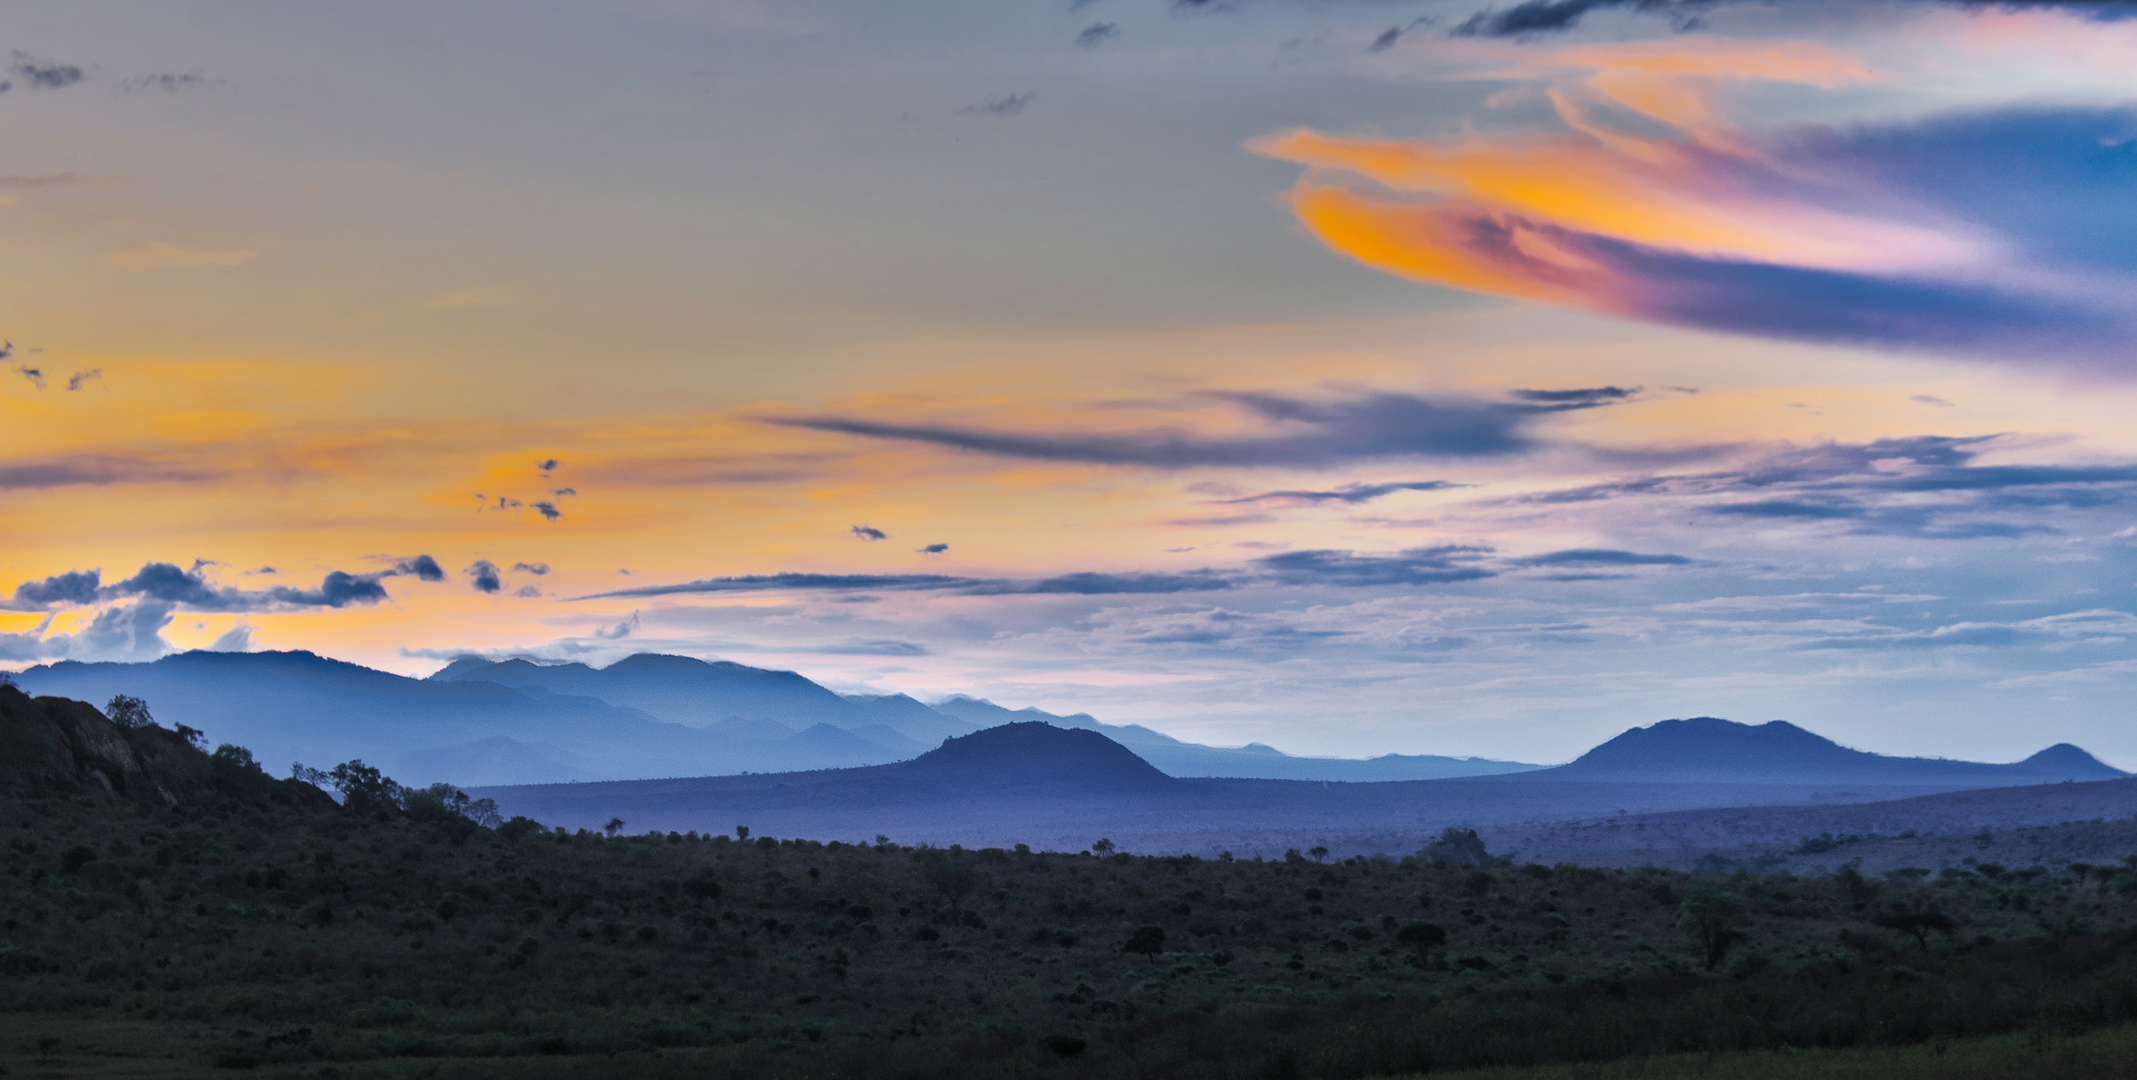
x=1097 y=34
x=168 y=82
x=168 y=585
x=93 y=469
x=338 y=590
x=934 y=549
x=1877 y=488
x=1590 y=396
x=548 y=510
x=869 y=533
x=74 y=587
x=1347 y=493
x=796 y=582
x=1094 y=584
x=423 y=567
x=484 y=576
x=1600 y=557
x=1302 y=433
x=1419 y=566
x=35 y=375
x=538 y=569
x=83 y=378
x=42 y=74
x=1000 y=105
x=1538 y=17
x=547 y=465
x=1386 y=40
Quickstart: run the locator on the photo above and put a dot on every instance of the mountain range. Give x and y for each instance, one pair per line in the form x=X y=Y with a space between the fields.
x=1061 y=788
x=482 y=722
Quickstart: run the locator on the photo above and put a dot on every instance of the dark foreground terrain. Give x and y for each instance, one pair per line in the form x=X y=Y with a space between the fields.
x=165 y=911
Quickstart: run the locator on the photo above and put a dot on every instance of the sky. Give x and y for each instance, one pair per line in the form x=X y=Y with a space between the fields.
x=1353 y=376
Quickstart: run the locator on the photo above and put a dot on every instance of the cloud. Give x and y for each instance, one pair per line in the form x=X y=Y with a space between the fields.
x=548 y=510
x=423 y=567
x=1894 y=235
x=1930 y=399
x=795 y=582
x=1420 y=566
x=483 y=575
x=868 y=647
x=130 y=633
x=1348 y=493
x=547 y=465
x=869 y=533
x=934 y=549
x=237 y=639
x=1300 y=432
x=1386 y=40
x=1600 y=557
x=1534 y=17
x=1000 y=105
x=73 y=588
x=189 y=589
x=2097 y=626
x=157 y=255
x=43 y=74
x=35 y=375
x=83 y=378
x=94 y=469
x=1097 y=34
x=528 y=592
x=620 y=630
x=1093 y=584
x=167 y=82
x=1597 y=395
x=538 y=569
x=1927 y=487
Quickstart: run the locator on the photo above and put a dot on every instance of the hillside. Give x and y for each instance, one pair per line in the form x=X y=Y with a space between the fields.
x=296 y=706
x=247 y=923
x=1715 y=751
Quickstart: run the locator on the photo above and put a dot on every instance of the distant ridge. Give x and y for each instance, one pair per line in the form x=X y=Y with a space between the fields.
x=1710 y=750
x=1037 y=755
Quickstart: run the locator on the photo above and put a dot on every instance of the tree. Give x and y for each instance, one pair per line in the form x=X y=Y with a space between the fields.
x=1422 y=936
x=128 y=711
x=1147 y=940
x=950 y=873
x=1319 y=853
x=1103 y=846
x=614 y=826
x=1456 y=847
x=742 y=832
x=364 y=789
x=1712 y=915
x=1916 y=922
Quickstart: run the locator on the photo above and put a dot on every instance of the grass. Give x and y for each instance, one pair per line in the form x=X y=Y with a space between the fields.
x=2104 y=1053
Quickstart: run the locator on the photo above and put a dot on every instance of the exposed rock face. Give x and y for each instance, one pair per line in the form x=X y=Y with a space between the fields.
x=54 y=739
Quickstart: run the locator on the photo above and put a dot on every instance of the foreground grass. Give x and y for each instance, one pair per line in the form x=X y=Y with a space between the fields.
x=2109 y=1052
x=60 y=1046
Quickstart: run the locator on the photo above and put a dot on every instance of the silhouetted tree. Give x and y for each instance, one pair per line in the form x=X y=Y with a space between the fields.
x=1456 y=847
x=1916 y=921
x=1712 y=915
x=1147 y=940
x=1103 y=846
x=1422 y=936
x=1319 y=853
x=614 y=826
x=128 y=711
x=954 y=876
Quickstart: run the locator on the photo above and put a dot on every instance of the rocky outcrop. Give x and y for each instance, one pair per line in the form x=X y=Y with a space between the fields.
x=54 y=742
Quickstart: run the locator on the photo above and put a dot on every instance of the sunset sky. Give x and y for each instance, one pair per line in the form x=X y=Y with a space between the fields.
x=1353 y=377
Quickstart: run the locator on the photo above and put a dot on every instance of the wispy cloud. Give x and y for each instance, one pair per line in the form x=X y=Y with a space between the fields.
x=157 y=255
x=1298 y=432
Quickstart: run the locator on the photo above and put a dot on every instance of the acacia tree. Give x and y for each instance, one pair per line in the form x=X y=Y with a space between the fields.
x=1712 y=915
x=955 y=877
x=1422 y=936
x=1916 y=921
x=1147 y=940
x=128 y=711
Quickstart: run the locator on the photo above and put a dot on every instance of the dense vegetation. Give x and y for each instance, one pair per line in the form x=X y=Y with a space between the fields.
x=229 y=920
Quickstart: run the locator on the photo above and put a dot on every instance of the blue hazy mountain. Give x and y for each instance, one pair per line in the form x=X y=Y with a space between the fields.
x=1714 y=751
x=296 y=706
x=1252 y=761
